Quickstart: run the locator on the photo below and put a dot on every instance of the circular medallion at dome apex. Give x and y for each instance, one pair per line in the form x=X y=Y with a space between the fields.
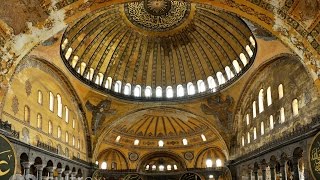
x=157 y=15
x=105 y=51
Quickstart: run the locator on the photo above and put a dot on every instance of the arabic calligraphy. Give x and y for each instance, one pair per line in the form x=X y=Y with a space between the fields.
x=7 y=159
x=315 y=157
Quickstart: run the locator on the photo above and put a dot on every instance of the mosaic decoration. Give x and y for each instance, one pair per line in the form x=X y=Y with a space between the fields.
x=188 y=156
x=133 y=156
x=15 y=105
x=28 y=87
x=157 y=15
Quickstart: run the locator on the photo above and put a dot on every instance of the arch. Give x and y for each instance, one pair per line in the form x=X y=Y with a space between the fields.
x=26 y=114
x=261 y=99
x=180 y=91
x=108 y=83
x=207 y=157
x=295 y=107
x=113 y=155
x=169 y=92
x=40 y=97
x=51 y=101
x=148 y=91
x=211 y=82
x=39 y=121
x=25 y=135
x=280 y=91
x=137 y=91
x=117 y=87
x=220 y=77
x=127 y=89
x=201 y=86
x=229 y=73
x=190 y=88
x=254 y=109
x=190 y=176
x=243 y=59
x=37 y=161
x=236 y=66
x=269 y=97
x=99 y=79
x=158 y=92
x=59 y=102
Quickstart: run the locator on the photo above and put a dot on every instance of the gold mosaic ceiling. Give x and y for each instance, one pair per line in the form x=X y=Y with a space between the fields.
x=166 y=124
x=158 y=43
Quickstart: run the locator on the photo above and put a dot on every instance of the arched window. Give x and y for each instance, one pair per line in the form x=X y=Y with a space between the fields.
x=161 y=167
x=254 y=133
x=190 y=88
x=67 y=137
x=117 y=87
x=220 y=78
x=59 y=132
x=269 y=98
x=68 y=53
x=50 y=127
x=169 y=92
x=39 y=121
x=243 y=59
x=252 y=41
x=73 y=123
x=201 y=86
x=212 y=84
x=99 y=79
x=82 y=68
x=148 y=92
x=160 y=143
x=67 y=152
x=229 y=73
x=104 y=165
x=51 y=101
x=65 y=42
x=282 y=116
x=218 y=163
x=26 y=114
x=78 y=145
x=66 y=114
x=271 y=122
x=184 y=141
x=262 y=128
x=114 y=166
x=108 y=83
x=295 y=107
x=59 y=101
x=136 y=142
x=203 y=137
x=154 y=167
x=236 y=66
x=39 y=97
x=127 y=89
x=169 y=167
x=248 y=119
x=248 y=137
x=137 y=91
x=254 y=109
x=242 y=140
x=209 y=163
x=158 y=92
x=90 y=74
x=249 y=51
x=175 y=167
x=73 y=141
x=261 y=99
x=74 y=61
x=280 y=90
x=180 y=91
x=118 y=139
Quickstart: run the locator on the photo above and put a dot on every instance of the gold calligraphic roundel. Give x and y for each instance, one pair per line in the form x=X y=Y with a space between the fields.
x=314 y=157
x=7 y=159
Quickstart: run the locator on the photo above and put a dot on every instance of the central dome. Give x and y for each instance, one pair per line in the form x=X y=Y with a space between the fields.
x=158 y=49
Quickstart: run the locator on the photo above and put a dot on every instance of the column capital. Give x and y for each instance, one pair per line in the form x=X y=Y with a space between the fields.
x=67 y=172
x=40 y=167
x=26 y=164
x=50 y=169
x=60 y=170
x=74 y=174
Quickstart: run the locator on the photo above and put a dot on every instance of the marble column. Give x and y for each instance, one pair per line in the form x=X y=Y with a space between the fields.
x=73 y=176
x=272 y=171
x=50 y=170
x=255 y=172
x=263 y=169
x=26 y=167
x=67 y=173
x=60 y=171
x=295 y=164
x=39 y=168
x=283 y=170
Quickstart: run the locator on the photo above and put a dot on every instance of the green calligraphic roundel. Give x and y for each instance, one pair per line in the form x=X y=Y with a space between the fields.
x=314 y=157
x=7 y=159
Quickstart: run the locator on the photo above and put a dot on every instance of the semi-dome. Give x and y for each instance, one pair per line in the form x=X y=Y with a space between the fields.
x=158 y=49
x=161 y=128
